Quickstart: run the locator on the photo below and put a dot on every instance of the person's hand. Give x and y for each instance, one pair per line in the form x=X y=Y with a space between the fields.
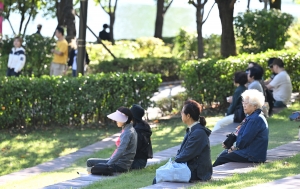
x=223 y=145
x=229 y=99
x=52 y=50
x=229 y=150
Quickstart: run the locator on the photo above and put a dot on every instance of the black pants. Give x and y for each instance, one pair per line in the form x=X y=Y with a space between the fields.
x=230 y=157
x=100 y=167
x=139 y=164
x=11 y=72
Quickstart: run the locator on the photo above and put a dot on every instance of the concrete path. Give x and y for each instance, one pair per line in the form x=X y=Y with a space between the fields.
x=228 y=169
x=292 y=182
x=84 y=180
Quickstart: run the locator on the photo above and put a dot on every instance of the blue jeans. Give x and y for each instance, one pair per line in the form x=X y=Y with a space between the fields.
x=74 y=72
x=279 y=104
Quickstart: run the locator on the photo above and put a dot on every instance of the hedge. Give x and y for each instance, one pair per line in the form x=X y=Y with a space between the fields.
x=167 y=67
x=210 y=80
x=65 y=101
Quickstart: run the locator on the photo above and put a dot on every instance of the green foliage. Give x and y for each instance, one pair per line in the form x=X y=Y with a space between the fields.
x=167 y=67
x=140 y=48
x=262 y=30
x=186 y=45
x=38 y=55
x=294 y=33
x=71 y=101
x=210 y=80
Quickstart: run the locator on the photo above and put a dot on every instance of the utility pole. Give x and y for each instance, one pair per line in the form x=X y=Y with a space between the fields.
x=82 y=35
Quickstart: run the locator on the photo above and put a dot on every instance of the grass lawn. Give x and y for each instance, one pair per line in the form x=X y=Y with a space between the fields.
x=167 y=134
x=281 y=131
x=19 y=151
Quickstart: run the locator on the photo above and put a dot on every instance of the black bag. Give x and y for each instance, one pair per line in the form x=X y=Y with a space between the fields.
x=231 y=138
x=239 y=114
x=102 y=169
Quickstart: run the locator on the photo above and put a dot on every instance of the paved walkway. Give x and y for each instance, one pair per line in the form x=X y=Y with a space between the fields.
x=84 y=180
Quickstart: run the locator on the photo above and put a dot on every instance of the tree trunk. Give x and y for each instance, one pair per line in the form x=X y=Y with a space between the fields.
x=228 y=47
x=265 y=4
x=275 y=4
x=69 y=20
x=111 y=27
x=199 y=21
x=60 y=12
x=159 y=19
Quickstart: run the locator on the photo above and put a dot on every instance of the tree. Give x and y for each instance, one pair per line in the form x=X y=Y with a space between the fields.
x=27 y=9
x=63 y=10
x=199 y=5
x=275 y=4
x=162 y=7
x=111 y=11
x=228 y=46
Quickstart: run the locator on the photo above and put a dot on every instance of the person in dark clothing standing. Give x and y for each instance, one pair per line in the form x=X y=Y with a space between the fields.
x=143 y=130
x=104 y=35
x=39 y=28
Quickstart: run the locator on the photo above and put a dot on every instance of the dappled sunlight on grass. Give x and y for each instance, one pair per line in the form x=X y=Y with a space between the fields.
x=264 y=173
x=19 y=151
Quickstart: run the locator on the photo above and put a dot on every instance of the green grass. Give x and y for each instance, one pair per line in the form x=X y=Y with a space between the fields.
x=264 y=173
x=281 y=131
x=167 y=134
x=19 y=151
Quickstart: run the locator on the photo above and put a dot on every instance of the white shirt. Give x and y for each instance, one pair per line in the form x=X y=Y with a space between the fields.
x=190 y=126
x=282 y=87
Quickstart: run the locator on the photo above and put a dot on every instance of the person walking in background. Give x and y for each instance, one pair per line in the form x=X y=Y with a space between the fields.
x=73 y=59
x=143 y=130
x=39 y=28
x=16 y=59
x=281 y=84
x=104 y=35
x=60 y=54
x=122 y=158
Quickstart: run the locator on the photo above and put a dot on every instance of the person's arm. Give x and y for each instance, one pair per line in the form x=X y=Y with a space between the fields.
x=251 y=129
x=87 y=58
x=9 y=58
x=124 y=141
x=195 y=144
x=71 y=57
x=57 y=52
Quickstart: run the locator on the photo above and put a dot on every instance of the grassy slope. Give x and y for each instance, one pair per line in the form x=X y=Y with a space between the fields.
x=19 y=151
x=169 y=133
x=281 y=131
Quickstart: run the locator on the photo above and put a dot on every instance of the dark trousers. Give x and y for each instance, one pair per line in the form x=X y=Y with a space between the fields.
x=100 y=167
x=11 y=72
x=139 y=164
x=74 y=73
x=230 y=157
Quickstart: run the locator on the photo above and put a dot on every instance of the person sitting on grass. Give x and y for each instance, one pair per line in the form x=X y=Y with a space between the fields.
x=252 y=139
x=122 y=158
x=195 y=148
x=143 y=130
x=240 y=80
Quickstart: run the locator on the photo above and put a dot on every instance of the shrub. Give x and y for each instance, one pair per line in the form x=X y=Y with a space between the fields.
x=141 y=48
x=167 y=67
x=186 y=45
x=71 y=101
x=38 y=54
x=210 y=80
x=294 y=33
x=262 y=30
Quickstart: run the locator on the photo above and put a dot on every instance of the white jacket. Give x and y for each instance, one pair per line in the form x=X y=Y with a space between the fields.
x=16 y=59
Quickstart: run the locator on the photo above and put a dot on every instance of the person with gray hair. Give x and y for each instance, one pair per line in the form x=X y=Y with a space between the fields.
x=253 y=134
